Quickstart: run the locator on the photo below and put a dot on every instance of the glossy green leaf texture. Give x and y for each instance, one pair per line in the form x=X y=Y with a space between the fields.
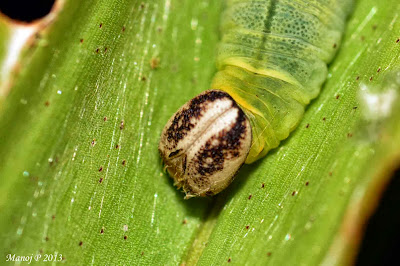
x=80 y=172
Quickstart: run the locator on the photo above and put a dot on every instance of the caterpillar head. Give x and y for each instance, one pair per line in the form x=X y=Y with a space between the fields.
x=205 y=143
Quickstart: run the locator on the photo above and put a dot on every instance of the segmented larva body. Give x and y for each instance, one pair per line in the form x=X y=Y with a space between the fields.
x=271 y=62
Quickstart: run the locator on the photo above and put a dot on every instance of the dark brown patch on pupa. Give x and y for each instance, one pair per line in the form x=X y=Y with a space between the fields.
x=228 y=146
x=182 y=122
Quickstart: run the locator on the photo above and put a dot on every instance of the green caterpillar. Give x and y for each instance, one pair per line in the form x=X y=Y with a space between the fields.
x=272 y=60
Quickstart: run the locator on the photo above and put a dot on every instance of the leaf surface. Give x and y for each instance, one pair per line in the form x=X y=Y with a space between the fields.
x=79 y=130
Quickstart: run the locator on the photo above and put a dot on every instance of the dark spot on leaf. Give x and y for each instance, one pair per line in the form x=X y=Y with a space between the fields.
x=159 y=29
x=307 y=183
x=374 y=26
x=123 y=28
x=122 y=125
x=105 y=49
x=105 y=118
x=33 y=179
x=229 y=260
x=143 y=78
x=370 y=79
x=184 y=221
x=53 y=217
x=80 y=243
x=362 y=38
x=47 y=103
x=247 y=227
x=97 y=50
x=250 y=196
x=81 y=40
x=154 y=63
x=102 y=231
x=294 y=193
x=308 y=125
x=101 y=168
x=269 y=254
x=117 y=146
x=262 y=185
x=142 y=5
x=125 y=237
x=358 y=77
x=349 y=135
x=124 y=162
x=101 y=180
x=174 y=68
x=334 y=45
x=46 y=238
x=379 y=70
x=142 y=253
x=337 y=97
x=398 y=40
x=93 y=142
x=330 y=173
x=355 y=107
x=101 y=25
x=324 y=118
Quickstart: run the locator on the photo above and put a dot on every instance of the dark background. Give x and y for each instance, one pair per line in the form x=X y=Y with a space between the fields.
x=26 y=10
x=381 y=243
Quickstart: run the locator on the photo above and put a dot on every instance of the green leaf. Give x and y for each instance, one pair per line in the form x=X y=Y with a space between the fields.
x=62 y=122
x=4 y=38
x=79 y=129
